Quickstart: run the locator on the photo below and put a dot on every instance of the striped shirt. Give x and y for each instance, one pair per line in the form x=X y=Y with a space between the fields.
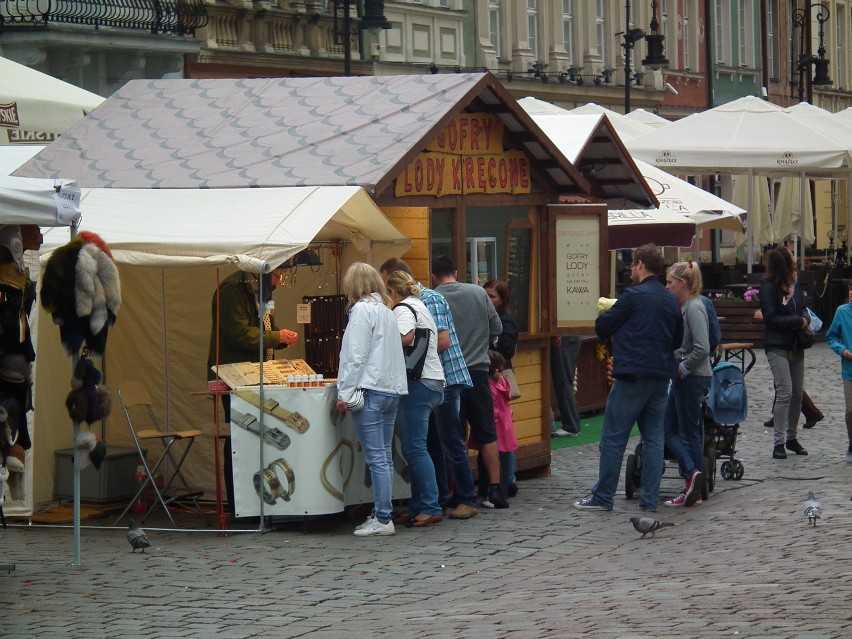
x=455 y=369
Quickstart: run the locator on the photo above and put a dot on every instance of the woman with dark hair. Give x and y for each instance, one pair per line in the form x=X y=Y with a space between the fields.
x=783 y=315
x=506 y=344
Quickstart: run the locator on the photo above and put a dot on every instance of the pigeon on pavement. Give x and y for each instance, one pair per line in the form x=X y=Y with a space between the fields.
x=647 y=525
x=136 y=537
x=813 y=509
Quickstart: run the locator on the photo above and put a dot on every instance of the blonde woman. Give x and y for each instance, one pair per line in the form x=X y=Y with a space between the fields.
x=370 y=381
x=683 y=421
x=424 y=395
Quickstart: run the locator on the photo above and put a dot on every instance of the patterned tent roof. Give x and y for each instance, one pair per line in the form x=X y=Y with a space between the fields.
x=356 y=131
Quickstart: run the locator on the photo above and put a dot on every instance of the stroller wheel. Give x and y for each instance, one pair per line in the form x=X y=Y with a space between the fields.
x=726 y=470
x=631 y=476
x=739 y=469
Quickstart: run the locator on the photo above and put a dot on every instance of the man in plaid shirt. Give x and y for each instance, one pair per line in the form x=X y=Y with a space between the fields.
x=447 y=447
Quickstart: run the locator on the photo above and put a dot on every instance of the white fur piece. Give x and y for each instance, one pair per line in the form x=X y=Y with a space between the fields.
x=108 y=275
x=14 y=465
x=84 y=445
x=85 y=272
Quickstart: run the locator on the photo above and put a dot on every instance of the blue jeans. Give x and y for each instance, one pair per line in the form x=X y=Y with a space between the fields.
x=374 y=427
x=684 y=421
x=449 y=428
x=413 y=426
x=641 y=401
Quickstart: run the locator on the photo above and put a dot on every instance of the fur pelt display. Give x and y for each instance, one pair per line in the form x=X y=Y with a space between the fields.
x=89 y=401
x=82 y=292
x=88 y=450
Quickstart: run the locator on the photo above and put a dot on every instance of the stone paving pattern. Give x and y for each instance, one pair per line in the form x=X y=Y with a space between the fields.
x=742 y=564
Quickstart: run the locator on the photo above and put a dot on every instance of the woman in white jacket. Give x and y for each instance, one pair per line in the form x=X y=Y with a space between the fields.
x=370 y=381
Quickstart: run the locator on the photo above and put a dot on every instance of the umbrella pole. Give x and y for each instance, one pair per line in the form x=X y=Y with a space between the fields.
x=802 y=210
x=751 y=220
x=848 y=214
x=75 y=559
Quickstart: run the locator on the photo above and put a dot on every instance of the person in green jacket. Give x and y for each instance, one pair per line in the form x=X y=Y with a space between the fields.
x=235 y=321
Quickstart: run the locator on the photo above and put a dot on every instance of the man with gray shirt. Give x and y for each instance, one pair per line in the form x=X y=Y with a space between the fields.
x=477 y=323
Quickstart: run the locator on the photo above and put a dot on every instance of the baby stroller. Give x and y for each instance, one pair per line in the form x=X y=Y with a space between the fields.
x=722 y=411
x=726 y=407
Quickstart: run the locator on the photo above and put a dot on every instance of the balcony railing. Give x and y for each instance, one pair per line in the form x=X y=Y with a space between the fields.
x=161 y=17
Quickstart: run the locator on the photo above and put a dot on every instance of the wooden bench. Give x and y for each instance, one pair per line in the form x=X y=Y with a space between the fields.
x=741 y=333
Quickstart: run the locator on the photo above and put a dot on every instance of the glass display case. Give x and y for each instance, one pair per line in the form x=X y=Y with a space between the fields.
x=481 y=253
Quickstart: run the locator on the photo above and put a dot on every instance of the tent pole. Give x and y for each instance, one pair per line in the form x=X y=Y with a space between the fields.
x=261 y=311
x=75 y=560
x=848 y=214
x=802 y=210
x=750 y=229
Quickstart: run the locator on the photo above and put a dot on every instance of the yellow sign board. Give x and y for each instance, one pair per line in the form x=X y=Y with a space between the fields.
x=466 y=156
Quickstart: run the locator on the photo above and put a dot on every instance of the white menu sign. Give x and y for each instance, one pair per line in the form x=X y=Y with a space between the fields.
x=577 y=270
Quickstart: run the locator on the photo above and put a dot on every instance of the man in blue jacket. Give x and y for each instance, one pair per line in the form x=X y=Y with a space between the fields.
x=645 y=327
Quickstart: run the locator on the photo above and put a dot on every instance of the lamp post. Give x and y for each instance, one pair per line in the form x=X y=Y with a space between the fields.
x=801 y=21
x=655 y=59
x=373 y=19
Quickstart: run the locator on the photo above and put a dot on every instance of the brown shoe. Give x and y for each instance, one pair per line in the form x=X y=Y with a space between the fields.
x=423 y=520
x=462 y=511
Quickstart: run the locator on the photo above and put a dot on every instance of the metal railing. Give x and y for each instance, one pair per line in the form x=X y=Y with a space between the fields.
x=161 y=17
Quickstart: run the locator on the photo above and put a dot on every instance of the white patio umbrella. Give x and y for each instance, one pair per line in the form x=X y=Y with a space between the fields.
x=534 y=106
x=37 y=107
x=747 y=136
x=647 y=118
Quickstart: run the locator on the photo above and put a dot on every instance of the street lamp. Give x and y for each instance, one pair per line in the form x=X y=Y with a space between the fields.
x=373 y=19
x=656 y=58
x=801 y=21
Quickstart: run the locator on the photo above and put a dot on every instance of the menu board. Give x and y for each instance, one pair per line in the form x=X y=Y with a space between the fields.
x=577 y=255
x=518 y=268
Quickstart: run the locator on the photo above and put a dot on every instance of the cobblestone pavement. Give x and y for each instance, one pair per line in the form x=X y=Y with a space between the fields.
x=743 y=564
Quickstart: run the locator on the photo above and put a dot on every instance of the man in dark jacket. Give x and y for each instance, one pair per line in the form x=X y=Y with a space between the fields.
x=645 y=327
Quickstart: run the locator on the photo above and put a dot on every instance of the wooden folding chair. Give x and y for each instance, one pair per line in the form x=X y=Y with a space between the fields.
x=134 y=394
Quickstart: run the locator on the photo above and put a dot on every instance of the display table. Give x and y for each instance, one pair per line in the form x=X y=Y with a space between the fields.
x=312 y=462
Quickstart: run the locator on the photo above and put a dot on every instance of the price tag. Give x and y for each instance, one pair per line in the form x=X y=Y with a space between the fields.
x=303 y=313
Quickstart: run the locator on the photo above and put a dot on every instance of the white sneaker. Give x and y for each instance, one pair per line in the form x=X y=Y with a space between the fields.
x=564 y=433
x=366 y=523
x=375 y=528
x=483 y=501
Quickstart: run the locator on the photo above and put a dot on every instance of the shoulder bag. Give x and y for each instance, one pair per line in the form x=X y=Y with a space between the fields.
x=415 y=353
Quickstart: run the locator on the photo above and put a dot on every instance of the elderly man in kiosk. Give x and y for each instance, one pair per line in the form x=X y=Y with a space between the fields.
x=645 y=326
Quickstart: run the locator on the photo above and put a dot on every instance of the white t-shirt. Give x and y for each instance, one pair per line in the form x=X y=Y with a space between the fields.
x=432 y=368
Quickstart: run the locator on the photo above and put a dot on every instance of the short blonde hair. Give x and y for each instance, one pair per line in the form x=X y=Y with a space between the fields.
x=362 y=280
x=690 y=273
x=403 y=284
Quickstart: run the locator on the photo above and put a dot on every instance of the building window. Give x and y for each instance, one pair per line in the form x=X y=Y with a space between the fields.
x=601 y=29
x=686 y=41
x=742 y=33
x=532 y=27
x=771 y=41
x=840 y=47
x=722 y=19
x=494 y=25
x=568 y=28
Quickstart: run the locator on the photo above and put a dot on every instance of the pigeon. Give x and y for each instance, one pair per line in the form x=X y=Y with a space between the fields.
x=813 y=509
x=647 y=525
x=136 y=537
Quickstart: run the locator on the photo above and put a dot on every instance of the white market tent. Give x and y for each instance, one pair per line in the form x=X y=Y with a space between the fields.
x=647 y=118
x=747 y=136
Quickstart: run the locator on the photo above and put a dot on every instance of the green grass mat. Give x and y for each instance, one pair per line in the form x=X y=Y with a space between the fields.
x=590 y=432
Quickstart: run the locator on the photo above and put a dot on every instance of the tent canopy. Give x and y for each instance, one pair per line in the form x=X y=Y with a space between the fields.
x=174 y=227
x=38 y=107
